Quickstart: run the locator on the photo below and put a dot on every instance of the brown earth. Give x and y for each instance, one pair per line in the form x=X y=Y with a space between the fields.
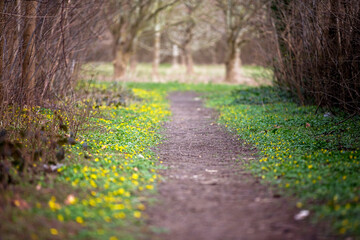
x=207 y=194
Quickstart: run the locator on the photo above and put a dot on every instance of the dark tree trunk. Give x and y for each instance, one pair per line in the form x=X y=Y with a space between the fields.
x=28 y=49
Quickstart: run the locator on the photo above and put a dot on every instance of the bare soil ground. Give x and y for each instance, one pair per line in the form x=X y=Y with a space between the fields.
x=207 y=193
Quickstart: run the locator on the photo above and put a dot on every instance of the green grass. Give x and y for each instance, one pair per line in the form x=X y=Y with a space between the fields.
x=310 y=156
x=307 y=155
x=259 y=74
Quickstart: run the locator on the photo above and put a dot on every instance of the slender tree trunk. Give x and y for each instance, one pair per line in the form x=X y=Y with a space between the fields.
x=156 y=57
x=334 y=45
x=189 y=63
x=334 y=33
x=14 y=35
x=231 y=63
x=2 y=35
x=28 y=49
x=175 y=56
x=355 y=44
x=48 y=84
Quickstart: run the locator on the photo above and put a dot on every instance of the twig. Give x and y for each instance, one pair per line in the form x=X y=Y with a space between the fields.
x=342 y=121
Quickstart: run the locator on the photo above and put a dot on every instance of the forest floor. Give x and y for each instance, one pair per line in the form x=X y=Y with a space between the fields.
x=207 y=193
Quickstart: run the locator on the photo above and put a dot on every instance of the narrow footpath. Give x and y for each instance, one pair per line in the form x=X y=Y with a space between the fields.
x=207 y=195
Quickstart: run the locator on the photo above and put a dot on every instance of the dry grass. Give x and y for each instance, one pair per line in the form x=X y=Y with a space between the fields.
x=248 y=75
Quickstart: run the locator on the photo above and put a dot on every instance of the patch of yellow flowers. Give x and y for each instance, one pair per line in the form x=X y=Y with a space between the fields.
x=121 y=167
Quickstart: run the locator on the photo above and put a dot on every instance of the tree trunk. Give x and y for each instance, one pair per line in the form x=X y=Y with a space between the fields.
x=133 y=63
x=188 y=59
x=120 y=63
x=28 y=49
x=2 y=35
x=238 y=57
x=156 y=57
x=334 y=34
x=189 y=63
x=182 y=59
x=175 y=56
x=133 y=60
x=232 y=65
x=334 y=55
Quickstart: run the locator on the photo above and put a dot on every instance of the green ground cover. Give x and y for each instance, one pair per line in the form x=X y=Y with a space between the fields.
x=304 y=152
x=107 y=176
x=313 y=156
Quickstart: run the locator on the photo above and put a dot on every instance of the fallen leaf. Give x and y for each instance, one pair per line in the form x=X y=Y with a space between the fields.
x=302 y=215
x=20 y=203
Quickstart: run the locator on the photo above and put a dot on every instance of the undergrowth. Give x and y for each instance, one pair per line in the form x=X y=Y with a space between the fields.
x=310 y=153
x=99 y=185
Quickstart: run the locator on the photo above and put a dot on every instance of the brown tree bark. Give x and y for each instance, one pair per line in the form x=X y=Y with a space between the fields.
x=334 y=32
x=14 y=34
x=2 y=19
x=232 y=63
x=28 y=49
x=133 y=62
x=121 y=62
x=189 y=62
x=335 y=48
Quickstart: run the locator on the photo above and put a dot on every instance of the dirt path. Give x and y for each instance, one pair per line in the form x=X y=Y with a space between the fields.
x=207 y=195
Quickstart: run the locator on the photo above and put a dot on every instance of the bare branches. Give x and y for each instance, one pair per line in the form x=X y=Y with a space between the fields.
x=43 y=42
x=126 y=20
x=318 y=51
x=241 y=18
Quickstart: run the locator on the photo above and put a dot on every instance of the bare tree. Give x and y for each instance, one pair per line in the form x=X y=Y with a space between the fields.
x=192 y=28
x=182 y=33
x=241 y=18
x=156 y=53
x=318 y=51
x=42 y=43
x=126 y=20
